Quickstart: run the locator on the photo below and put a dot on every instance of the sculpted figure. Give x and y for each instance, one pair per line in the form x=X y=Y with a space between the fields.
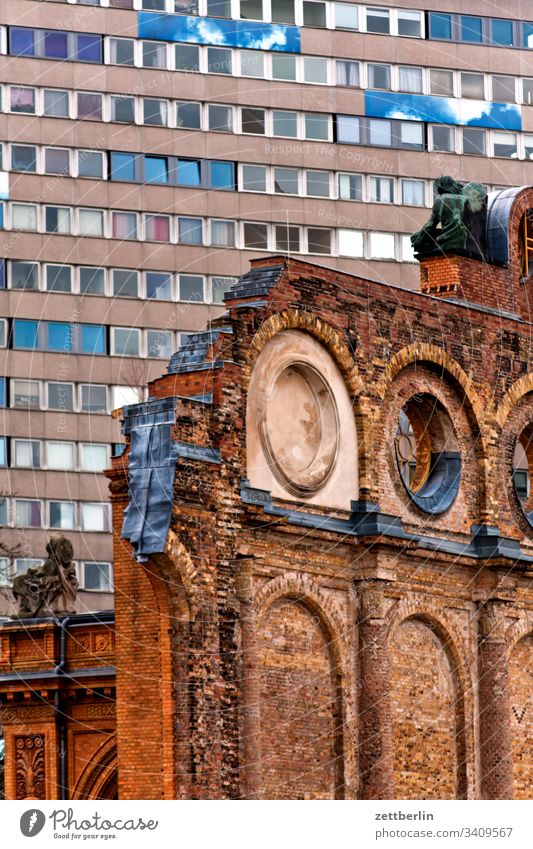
x=457 y=220
x=49 y=589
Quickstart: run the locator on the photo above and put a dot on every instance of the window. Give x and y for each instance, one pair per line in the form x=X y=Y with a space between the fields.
x=2 y=391
x=159 y=343
x=473 y=85
x=316 y=126
x=443 y=138
x=347 y=72
x=413 y=192
x=93 y=339
x=502 y=32
x=350 y=187
x=440 y=26
x=124 y=225
x=254 y=178
x=377 y=20
x=350 y=243
x=251 y=10
x=89 y=106
x=23 y=100
x=527 y=34
x=283 y=67
x=3 y=453
x=62 y=515
x=282 y=11
x=91 y=222
x=24 y=275
x=59 y=278
x=410 y=79
x=24 y=333
x=318 y=240
x=3 y=333
x=27 y=453
x=379 y=132
x=255 y=235
x=252 y=64
x=382 y=246
x=90 y=164
x=58 y=336
x=121 y=51
x=22 y=564
x=346 y=16
x=474 y=140
x=88 y=48
x=441 y=82
x=314 y=14
x=158 y=286
x=156 y=169
x=24 y=216
x=93 y=457
x=55 y=103
x=471 y=29
x=23 y=158
x=61 y=397
x=221 y=175
x=92 y=281
x=157 y=228
x=21 y=42
x=315 y=70
x=124 y=395
x=56 y=160
x=96 y=576
x=528 y=146
x=93 y=398
x=286 y=123
x=222 y=233
x=155 y=112
x=4 y=562
x=94 y=517
x=122 y=166
x=25 y=394
x=317 y=183
x=189 y=115
x=123 y=109
x=219 y=60
x=505 y=145
x=220 y=118
x=125 y=283
x=527 y=91
x=503 y=89
x=190 y=231
x=186 y=7
x=411 y=135
x=27 y=513
x=219 y=287
x=253 y=121
x=286 y=181
x=219 y=8
x=191 y=287
x=409 y=23
x=61 y=456
x=408 y=254
x=126 y=341
x=187 y=57
x=189 y=172
x=57 y=219
x=287 y=238
x=381 y=190
x=348 y=129
x=379 y=76
x=154 y=54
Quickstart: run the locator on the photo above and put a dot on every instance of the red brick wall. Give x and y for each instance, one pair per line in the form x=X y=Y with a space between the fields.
x=521 y=687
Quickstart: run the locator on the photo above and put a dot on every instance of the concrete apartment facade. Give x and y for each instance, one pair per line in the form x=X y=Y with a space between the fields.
x=150 y=149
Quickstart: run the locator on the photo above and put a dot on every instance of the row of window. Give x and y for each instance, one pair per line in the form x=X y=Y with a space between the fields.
x=251 y=235
x=56 y=515
x=113 y=282
x=66 y=397
x=92 y=576
x=56 y=455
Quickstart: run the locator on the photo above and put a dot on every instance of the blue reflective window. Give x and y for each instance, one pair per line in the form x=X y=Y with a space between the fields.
x=440 y=26
x=471 y=29
x=158 y=286
x=502 y=32
x=3 y=462
x=189 y=172
x=21 y=42
x=527 y=34
x=122 y=166
x=222 y=175
x=2 y=274
x=55 y=45
x=1 y=216
x=59 y=336
x=2 y=391
x=89 y=48
x=156 y=169
x=24 y=333
x=93 y=339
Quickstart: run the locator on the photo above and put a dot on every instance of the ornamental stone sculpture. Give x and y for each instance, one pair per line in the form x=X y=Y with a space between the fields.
x=50 y=589
x=457 y=221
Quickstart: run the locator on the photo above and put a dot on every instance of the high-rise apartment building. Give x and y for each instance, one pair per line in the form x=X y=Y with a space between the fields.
x=150 y=148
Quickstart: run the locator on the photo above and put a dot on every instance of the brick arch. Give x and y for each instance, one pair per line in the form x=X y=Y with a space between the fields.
x=433 y=618
x=519 y=638
x=99 y=776
x=517 y=631
x=513 y=418
x=520 y=388
x=182 y=561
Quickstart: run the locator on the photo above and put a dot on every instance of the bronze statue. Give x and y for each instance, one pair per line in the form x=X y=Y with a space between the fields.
x=457 y=220
x=50 y=589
